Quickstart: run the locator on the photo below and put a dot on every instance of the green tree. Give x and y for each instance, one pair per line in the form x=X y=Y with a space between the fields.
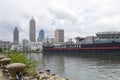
x=0 y=49
x=37 y=50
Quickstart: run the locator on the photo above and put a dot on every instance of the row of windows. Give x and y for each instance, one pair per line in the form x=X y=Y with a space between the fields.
x=109 y=37
x=68 y=46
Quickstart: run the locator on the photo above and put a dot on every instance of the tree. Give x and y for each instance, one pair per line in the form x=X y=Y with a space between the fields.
x=0 y=49
x=37 y=49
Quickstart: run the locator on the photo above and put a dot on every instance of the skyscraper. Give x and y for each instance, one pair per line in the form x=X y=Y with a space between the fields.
x=25 y=45
x=16 y=35
x=40 y=36
x=32 y=30
x=59 y=35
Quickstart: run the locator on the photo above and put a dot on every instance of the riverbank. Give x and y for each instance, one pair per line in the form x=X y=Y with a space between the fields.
x=31 y=75
x=37 y=75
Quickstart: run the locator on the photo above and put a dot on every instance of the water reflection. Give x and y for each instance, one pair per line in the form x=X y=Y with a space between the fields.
x=55 y=62
x=83 y=67
x=38 y=57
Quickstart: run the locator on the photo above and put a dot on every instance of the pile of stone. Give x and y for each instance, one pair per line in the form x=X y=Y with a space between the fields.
x=4 y=62
x=11 y=70
x=44 y=75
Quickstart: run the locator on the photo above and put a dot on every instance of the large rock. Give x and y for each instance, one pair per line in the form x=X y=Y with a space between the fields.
x=14 y=68
x=1 y=56
x=5 y=61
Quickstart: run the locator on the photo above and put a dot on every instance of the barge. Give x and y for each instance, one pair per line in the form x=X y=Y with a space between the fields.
x=104 y=42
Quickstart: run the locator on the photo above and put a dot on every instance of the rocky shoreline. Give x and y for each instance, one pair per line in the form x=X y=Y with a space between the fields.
x=5 y=73
x=43 y=75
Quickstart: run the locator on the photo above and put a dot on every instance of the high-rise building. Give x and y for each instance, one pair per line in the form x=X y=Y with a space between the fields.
x=59 y=35
x=40 y=36
x=25 y=45
x=49 y=40
x=16 y=35
x=32 y=30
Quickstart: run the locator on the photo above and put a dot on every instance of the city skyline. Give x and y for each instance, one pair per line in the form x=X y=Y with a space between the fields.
x=76 y=17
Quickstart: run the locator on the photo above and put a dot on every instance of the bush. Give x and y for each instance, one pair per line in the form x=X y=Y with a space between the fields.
x=37 y=50
x=21 y=58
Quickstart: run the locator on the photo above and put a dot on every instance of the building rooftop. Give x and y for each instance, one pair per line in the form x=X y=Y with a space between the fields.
x=109 y=32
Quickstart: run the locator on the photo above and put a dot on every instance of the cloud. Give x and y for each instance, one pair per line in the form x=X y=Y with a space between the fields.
x=76 y=17
x=63 y=15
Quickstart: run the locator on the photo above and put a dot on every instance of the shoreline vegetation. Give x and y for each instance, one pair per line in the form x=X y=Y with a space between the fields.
x=17 y=57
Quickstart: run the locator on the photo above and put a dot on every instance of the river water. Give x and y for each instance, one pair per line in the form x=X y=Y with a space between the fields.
x=77 y=67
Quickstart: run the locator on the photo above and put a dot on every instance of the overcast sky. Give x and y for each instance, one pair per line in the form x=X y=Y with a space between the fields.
x=76 y=17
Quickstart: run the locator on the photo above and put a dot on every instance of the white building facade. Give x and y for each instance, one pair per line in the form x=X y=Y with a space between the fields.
x=35 y=45
x=28 y=46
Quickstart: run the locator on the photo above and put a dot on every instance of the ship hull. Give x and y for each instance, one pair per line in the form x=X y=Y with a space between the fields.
x=87 y=48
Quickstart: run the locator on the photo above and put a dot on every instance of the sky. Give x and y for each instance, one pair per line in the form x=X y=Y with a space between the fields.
x=76 y=17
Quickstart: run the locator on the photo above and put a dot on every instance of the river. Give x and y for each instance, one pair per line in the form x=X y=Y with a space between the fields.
x=77 y=67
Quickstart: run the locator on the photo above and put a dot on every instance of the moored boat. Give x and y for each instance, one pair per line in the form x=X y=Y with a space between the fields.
x=104 y=42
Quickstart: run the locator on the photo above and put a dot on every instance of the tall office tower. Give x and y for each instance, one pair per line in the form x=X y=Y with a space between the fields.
x=32 y=30
x=40 y=36
x=16 y=35
x=25 y=45
x=59 y=35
